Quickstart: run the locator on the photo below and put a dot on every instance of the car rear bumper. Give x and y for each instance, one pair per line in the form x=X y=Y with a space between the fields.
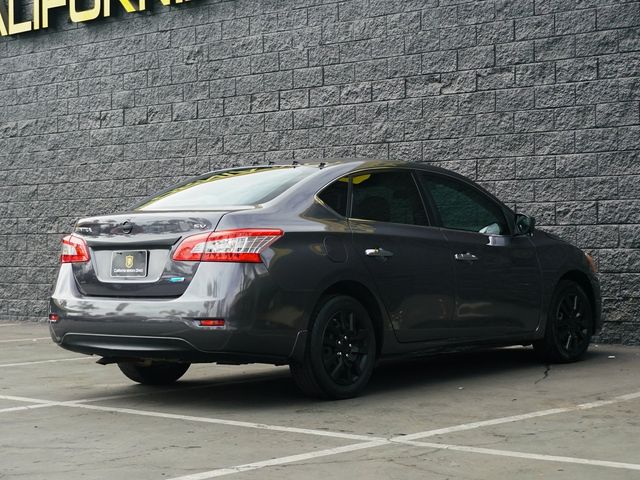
x=261 y=322
x=120 y=347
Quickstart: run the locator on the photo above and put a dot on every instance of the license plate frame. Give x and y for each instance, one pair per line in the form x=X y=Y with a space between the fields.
x=129 y=263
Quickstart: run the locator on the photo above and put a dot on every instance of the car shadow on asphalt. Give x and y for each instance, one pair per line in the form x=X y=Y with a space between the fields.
x=274 y=389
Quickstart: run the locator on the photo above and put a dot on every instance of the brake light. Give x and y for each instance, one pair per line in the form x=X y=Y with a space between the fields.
x=74 y=249
x=243 y=245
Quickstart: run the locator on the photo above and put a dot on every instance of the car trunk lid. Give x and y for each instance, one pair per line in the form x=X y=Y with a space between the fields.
x=131 y=253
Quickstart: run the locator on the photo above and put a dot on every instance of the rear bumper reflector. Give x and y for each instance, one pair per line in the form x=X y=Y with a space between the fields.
x=211 y=322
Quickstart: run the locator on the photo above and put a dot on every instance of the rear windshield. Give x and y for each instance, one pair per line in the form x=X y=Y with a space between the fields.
x=231 y=188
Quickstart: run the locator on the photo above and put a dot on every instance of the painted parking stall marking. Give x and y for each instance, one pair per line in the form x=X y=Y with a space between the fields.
x=38 y=362
x=530 y=456
x=363 y=442
x=25 y=340
x=367 y=441
x=409 y=440
x=219 y=421
x=282 y=460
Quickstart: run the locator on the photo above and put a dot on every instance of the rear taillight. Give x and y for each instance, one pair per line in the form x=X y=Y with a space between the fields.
x=74 y=249
x=244 y=245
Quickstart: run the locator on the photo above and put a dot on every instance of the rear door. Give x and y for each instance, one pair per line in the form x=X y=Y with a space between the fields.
x=498 y=279
x=406 y=257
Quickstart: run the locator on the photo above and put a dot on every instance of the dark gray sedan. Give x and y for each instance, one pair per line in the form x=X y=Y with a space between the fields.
x=326 y=267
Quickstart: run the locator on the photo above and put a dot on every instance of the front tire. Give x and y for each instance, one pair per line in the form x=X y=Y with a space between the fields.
x=341 y=350
x=569 y=325
x=157 y=373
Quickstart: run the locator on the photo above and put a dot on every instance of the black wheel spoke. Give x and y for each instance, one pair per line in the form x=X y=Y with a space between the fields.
x=359 y=336
x=565 y=310
x=351 y=322
x=342 y=322
x=329 y=340
x=568 y=342
x=339 y=366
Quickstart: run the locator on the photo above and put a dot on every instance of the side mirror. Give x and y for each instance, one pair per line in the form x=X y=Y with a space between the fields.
x=525 y=225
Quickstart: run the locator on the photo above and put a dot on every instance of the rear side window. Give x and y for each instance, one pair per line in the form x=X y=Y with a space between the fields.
x=462 y=207
x=387 y=197
x=250 y=186
x=335 y=196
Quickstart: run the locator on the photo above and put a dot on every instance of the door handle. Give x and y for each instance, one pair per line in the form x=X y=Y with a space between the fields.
x=378 y=252
x=465 y=257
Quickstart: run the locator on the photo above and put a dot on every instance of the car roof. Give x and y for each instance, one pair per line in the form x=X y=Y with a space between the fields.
x=360 y=163
x=348 y=165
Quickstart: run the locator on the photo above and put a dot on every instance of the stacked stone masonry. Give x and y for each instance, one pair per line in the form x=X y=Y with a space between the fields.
x=538 y=100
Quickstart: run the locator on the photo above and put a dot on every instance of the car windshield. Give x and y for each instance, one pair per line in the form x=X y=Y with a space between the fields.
x=230 y=188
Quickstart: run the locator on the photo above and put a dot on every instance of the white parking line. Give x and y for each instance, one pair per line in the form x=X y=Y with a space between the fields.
x=37 y=362
x=27 y=407
x=25 y=339
x=281 y=461
x=7 y=324
x=190 y=418
x=367 y=441
x=408 y=440
x=38 y=403
x=514 y=418
x=27 y=399
x=232 y=423
x=53 y=403
x=530 y=456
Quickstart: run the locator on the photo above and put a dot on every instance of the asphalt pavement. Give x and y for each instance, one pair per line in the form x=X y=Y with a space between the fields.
x=481 y=415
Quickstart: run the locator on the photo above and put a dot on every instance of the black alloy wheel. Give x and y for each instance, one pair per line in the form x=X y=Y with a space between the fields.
x=341 y=350
x=345 y=343
x=569 y=325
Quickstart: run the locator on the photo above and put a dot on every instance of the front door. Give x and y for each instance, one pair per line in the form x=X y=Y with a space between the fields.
x=498 y=279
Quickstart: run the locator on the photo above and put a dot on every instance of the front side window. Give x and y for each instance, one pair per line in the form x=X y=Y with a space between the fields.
x=462 y=207
x=241 y=187
x=387 y=197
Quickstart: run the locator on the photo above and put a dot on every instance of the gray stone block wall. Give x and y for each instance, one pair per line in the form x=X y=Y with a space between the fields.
x=539 y=100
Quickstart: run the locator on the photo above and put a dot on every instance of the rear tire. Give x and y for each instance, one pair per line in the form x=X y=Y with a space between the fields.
x=158 y=373
x=341 y=350
x=569 y=325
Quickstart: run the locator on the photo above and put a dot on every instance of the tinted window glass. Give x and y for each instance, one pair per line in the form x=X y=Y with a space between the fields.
x=462 y=207
x=387 y=197
x=335 y=196
x=229 y=188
